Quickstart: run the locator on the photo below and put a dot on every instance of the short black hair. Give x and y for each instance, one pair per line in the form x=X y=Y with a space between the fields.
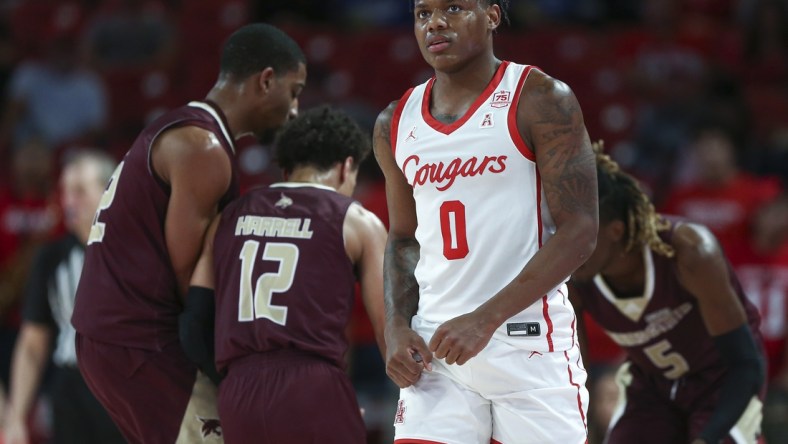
x=255 y=47
x=504 y=4
x=321 y=137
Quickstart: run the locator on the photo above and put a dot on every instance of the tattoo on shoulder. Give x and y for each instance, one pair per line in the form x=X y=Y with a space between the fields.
x=382 y=135
x=563 y=149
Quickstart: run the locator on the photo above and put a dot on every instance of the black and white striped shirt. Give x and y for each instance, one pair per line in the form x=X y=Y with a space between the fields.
x=51 y=288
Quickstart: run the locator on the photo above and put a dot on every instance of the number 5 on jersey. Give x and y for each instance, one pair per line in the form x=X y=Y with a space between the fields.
x=673 y=364
x=255 y=303
x=98 y=228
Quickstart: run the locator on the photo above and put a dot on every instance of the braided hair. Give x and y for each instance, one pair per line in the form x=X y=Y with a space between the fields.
x=621 y=198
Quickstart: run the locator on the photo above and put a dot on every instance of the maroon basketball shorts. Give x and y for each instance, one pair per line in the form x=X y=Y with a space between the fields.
x=288 y=397
x=145 y=392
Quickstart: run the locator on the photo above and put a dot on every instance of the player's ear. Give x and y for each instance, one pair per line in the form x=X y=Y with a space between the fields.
x=346 y=169
x=615 y=230
x=493 y=17
x=265 y=79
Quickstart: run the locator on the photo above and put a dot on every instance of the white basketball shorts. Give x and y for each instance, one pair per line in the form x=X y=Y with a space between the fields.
x=503 y=395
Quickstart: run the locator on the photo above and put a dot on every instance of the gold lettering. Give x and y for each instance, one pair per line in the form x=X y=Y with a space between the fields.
x=265 y=226
x=306 y=233
x=239 y=226
x=291 y=228
x=254 y=225
x=295 y=228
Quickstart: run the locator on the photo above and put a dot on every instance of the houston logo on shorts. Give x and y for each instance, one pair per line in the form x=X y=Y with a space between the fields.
x=399 y=416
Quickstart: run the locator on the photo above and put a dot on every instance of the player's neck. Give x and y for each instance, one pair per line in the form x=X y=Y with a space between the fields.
x=311 y=175
x=454 y=91
x=225 y=95
x=627 y=275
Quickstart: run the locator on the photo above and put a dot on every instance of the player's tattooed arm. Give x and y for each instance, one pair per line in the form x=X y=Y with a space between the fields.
x=402 y=249
x=556 y=130
x=400 y=287
x=406 y=352
x=551 y=123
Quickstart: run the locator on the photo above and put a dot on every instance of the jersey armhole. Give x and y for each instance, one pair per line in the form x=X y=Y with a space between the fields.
x=173 y=125
x=395 y=118
x=514 y=131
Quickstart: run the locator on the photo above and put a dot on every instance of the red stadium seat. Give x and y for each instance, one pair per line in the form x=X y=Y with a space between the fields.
x=137 y=96
x=35 y=22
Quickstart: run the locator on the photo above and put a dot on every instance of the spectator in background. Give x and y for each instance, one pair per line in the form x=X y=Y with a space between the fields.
x=667 y=74
x=130 y=33
x=765 y=40
x=26 y=219
x=761 y=263
x=763 y=69
x=56 y=100
x=49 y=300
x=720 y=195
x=7 y=58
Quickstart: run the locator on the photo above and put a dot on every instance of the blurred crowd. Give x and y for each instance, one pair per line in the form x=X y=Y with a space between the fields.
x=691 y=96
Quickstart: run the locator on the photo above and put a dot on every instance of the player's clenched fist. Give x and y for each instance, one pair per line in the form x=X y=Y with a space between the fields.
x=406 y=356
x=461 y=338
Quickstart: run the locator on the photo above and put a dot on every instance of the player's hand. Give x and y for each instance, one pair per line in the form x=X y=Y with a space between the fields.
x=406 y=356
x=15 y=431
x=459 y=339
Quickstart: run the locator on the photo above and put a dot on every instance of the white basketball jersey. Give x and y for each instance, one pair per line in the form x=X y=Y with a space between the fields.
x=481 y=210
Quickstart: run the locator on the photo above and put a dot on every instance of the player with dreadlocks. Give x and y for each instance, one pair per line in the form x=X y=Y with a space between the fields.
x=663 y=290
x=492 y=199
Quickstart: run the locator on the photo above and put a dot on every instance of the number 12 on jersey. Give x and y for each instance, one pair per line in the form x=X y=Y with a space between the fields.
x=455 y=239
x=255 y=303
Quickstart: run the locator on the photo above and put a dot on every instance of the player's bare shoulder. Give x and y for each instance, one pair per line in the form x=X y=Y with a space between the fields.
x=187 y=137
x=693 y=243
x=189 y=147
x=362 y=229
x=547 y=103
x=381 y=137
x=551 y=121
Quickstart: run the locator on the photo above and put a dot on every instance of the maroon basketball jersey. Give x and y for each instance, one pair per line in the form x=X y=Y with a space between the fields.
x=662 y=331
x=283 y=276
x=128 y=291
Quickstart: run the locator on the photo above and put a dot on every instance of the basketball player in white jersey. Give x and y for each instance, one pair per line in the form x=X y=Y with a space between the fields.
x=491 y=186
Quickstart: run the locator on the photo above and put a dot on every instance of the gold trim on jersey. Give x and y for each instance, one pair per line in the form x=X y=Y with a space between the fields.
x=632 y=308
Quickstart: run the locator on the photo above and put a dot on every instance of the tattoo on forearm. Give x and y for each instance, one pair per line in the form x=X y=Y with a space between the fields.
x=399 y=283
